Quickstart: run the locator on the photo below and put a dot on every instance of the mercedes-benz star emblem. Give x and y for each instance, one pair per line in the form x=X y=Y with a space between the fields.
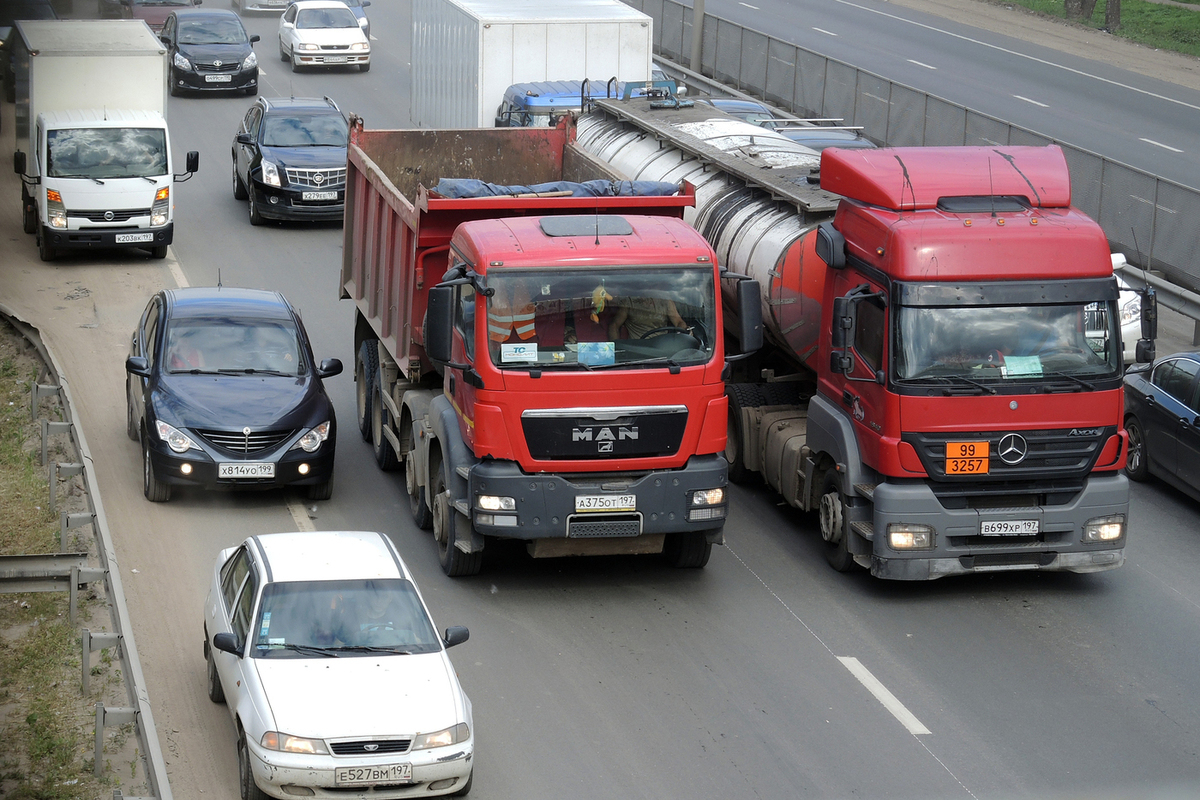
x=108 y=215
x=1013 y=448
x=318 y=178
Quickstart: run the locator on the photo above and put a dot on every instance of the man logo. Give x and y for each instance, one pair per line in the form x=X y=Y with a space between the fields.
x=604 y=434
x=1012 y=449
x=604 y=447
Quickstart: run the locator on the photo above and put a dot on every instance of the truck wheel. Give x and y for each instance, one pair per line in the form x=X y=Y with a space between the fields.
x=366 y=364
x=158 y=252
x=29 y=220
x=155 y=490
x=1137 y=467
x=385 y=454
x=255 y=217
x=416 y=495
x=239 y=187
x=834 y=528
x=687 y=549
x=455 y=562
x=741 y=395
x=46 y=250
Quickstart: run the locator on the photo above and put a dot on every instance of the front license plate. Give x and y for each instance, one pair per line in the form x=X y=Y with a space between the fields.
x=1009 y=527
x=365 y=776
x=245 y=470
x=133 y=238
x=605 y=502
x=218 y=78
x=966 y=458
x=318 y=195
x=335 y=59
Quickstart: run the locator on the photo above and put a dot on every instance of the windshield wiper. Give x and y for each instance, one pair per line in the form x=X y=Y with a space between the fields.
x=85 y=177
x=148 y=178
x=1091 y=387
x=948 y=379
x=253 y=371
x=302 y=648
x=367 y=648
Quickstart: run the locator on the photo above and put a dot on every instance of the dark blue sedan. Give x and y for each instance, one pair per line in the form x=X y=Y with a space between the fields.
x=223 y=392
x=1162 y=416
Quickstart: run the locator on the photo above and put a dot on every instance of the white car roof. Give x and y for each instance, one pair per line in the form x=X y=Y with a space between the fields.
x=330 y=555
x=319 y=4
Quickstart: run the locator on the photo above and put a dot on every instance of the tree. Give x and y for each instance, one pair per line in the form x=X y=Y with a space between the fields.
x=1080 y=9
x=1112 y=15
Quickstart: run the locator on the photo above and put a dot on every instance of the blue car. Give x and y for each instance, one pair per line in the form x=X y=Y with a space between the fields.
x=1162 y=418
x=223 y=392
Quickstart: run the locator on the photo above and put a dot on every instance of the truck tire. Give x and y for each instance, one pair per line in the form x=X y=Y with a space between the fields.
x=455 y=562
x=1137 y=466
x=46 y=251
x=366 y=365
x=385 y=454
x=741 y=395
x=416 y=495
x=687 y=549
x=835 y=529
x=29 y=219
x=239 y=186
x=155 y=490
x=158 y=252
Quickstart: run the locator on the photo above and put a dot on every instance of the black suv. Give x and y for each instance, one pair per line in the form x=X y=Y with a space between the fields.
x=289 y=159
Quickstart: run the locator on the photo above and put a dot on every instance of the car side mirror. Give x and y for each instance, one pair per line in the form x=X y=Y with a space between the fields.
x=456 y=635
x=255 y=38
x=165 y=39
x=366 y=3
x=19 y=162
x=245 y=138
x=137 y=365
x=329 y=367
x=227 y=643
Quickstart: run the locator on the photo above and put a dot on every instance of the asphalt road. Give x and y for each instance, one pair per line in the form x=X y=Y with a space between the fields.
x=597 y=678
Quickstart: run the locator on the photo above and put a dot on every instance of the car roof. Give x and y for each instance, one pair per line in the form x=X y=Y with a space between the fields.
x=208 y=301
x=194 y=12
x=319 y=4
x=299 y=103
x=329 y=556
x=734 y=104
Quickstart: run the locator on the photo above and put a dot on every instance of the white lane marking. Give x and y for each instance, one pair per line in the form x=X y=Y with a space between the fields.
x=822 y=30
x=181 y=280
x=1034 y=59
x=1160 y=144
x=300 y=516
x=262 y=73
x=373 y=39
x=919 y=64
x=889 y=700
x=747 y=5
x=1027 y=100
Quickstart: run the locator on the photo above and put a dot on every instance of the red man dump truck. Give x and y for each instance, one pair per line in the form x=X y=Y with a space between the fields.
x=543 y=368
x=942 y=379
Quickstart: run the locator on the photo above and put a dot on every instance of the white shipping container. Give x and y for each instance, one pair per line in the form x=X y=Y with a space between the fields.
x=465 y=53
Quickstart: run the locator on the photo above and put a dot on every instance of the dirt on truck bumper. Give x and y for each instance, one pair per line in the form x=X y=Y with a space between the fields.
x=973 y=540
x=630 y=512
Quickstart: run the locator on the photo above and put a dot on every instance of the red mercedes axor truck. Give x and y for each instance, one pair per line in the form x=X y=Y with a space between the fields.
x=942 y=378
x=543 y=368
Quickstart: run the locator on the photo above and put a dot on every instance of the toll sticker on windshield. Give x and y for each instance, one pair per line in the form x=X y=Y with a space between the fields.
x=1022 y=367
x=516 y=352
x=266 y=624
x=597 y=354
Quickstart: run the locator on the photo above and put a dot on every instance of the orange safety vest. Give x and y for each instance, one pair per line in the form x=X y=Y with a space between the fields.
x=515 y=317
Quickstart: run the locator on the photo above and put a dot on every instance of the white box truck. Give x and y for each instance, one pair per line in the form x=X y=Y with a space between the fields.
x=92 y=146
x=465 y=53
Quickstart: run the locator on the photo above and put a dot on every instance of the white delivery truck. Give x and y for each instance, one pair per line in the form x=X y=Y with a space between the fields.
x=92 y=146
x=466 y=53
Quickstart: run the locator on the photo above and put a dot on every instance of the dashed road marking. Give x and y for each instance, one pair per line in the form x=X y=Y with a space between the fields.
x=889 y=700
x=1160 y=144
x=1027 y=100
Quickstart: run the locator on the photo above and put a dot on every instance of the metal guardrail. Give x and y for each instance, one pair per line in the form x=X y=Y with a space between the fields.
x=1147 y=218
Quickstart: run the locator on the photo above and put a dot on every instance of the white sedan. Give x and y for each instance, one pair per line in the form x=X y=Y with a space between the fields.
x=319 y=33
x=337 y=681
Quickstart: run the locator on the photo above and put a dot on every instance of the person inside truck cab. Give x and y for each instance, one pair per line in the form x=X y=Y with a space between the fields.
x=511 y=312
x=642 y=315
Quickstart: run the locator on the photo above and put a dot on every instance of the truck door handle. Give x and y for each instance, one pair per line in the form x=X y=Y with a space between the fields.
x=847 y=398
x=452 y=386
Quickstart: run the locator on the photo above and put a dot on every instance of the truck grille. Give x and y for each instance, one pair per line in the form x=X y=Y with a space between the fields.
x=325 y=179
x=370 y=747
x=122 y=215
x=604 y=527
x=1060 y=453
x=596 y=433
x=238 y=442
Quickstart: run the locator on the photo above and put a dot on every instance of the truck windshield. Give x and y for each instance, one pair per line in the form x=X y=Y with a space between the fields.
x=1004 y=343
x=601 y=318
x=106 y=153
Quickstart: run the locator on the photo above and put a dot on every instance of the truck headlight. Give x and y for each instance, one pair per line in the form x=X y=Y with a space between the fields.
x=906 y=536
x=286 y=743
x=182 y=63
x=706 y=504
x=161 y=208
x=176 y=439
x=56 y=212
x=490 y=502
x=1104 y=529
x=270 y=173
x=251 y=62
x=708 y=497
x=442 y=738
x=312 y=440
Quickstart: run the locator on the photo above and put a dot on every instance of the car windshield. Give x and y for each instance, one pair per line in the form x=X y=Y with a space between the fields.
x=211 y=31
x=306 y=619
x=216 y=344
x=106 y=153
x=1009 y=342
x=326 y=18
x=601 y=317
x=305 y=130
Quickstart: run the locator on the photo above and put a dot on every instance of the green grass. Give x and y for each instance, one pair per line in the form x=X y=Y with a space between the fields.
x=1155 y=25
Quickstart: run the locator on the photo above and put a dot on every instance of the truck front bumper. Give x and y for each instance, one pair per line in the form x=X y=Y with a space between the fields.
x=604 y=506
x=959 y=547
x=104 y=238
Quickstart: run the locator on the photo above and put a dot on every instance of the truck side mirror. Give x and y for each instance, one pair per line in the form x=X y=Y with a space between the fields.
x=439 y=324
x=1149 y=314
x=750 y=320
x=831 y=245
x=843 y=321
x=19 y=162
x=1144 y=353
x=193 y=160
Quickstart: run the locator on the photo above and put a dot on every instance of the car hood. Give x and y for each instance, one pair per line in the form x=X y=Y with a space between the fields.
x=225 y=401
x=329 y=698
x=308 y=157
x=327 y=36
x=208 y=53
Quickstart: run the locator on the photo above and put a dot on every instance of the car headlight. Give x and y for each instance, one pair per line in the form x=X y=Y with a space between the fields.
x=312 y=440
x=442 y=738
x=270 y=173
x=286 y=743
x=1131 y=311
x=176 y=439
x=181 y=62
x=307 y=46
x=360 y=46
x=1104 y=529
x=251 y=62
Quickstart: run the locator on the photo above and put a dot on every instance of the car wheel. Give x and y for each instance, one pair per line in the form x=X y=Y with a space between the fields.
x=29 y=220
x=131 y=427
x=239 y=187
x=366 y=364
x=216 y=692
x=46 y=250
x=256 y=217
x=465 y=789
x=834 y=528
x=295 y=63
x=385 y=454
x=416 y=495
x=283 y=56
x=158 y=252
x=1137 y=465
x=247 y=788
x=174 y=86
x=319 y=491
x=687 y=549
x=364 y=67
x=155 y=490
x=455 y=562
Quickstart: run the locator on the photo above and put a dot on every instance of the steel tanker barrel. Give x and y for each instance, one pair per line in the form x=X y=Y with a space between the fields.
x=757 y=199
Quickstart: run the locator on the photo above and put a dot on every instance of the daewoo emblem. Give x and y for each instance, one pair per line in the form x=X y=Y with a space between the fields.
x=370 y=748
x=1013 y=448
x=108 y=215
x=318 y=178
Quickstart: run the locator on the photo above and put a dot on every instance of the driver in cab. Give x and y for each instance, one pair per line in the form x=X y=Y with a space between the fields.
x=641 y=315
